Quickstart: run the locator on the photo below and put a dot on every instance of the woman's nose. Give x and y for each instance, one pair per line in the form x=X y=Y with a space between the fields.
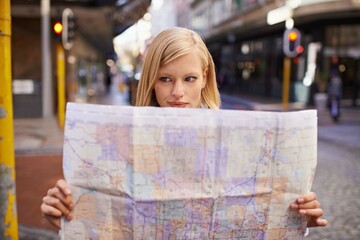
x=178 y=90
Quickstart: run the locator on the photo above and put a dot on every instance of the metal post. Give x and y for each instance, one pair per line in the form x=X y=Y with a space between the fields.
x=286 y=83
x=47 y=89
x=8 y=213
x=60 y=63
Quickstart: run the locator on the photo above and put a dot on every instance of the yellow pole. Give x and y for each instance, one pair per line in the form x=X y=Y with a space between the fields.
x=8 y=214
x=286 y=83
x=60 y=53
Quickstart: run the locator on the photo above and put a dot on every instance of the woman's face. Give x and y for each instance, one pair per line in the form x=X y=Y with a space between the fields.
x=179 y=83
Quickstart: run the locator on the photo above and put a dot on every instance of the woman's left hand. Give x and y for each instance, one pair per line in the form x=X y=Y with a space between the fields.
x=309 y=206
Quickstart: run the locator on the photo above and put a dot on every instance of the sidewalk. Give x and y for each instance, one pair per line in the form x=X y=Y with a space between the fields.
x=346 y=132
x=38 y=136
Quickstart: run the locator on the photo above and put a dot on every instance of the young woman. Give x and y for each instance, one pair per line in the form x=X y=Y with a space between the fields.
x=178 y=72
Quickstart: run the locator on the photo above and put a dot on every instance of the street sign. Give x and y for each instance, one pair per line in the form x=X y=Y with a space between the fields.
x=24 y=86
x=280 y=14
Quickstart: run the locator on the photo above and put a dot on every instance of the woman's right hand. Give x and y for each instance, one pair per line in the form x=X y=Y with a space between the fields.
x=57 y=203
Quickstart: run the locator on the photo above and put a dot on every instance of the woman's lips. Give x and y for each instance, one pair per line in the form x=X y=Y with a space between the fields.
x=178 y=104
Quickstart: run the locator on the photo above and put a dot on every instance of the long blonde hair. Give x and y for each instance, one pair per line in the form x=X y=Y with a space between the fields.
x=166 y=47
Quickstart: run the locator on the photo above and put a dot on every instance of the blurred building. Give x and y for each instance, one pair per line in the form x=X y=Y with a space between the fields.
x=163 y=15
x=248 y=51
x=86 y=71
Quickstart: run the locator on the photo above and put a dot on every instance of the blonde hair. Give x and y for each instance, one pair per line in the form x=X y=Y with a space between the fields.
x=166 y=47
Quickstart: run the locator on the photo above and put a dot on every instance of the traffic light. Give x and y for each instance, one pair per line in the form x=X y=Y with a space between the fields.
x=71 y=28
x=292 y=43
x=69 y=23
x=58 y=28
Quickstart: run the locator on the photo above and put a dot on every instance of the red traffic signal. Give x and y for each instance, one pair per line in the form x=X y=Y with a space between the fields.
x=292 y=42
x=58 y=28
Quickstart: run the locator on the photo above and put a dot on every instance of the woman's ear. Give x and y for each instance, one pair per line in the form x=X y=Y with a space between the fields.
x=205 y=76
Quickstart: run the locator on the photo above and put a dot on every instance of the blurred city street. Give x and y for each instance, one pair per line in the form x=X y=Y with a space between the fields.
x=38 y=146
x=303 y=54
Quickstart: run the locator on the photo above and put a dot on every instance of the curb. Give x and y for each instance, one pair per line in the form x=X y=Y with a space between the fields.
x=37 y=152
x=32 y=233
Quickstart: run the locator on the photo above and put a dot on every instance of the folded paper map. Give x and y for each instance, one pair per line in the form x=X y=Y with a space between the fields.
x=170 y=173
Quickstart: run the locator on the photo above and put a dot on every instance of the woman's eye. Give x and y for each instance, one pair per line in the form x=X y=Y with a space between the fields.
x=165 y=79
x=190 y=78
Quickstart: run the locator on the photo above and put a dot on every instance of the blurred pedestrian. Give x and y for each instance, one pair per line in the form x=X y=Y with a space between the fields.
x=334 y=89
x=108 y=82
x=355 y=90
x=178 y=72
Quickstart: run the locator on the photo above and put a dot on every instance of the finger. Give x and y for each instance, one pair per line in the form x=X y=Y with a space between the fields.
x=321 y=222
x=63 y=186
x=318 y=212
x=55 y=207
x=309 y=205
x=318 y=222
x=307 y=198
x=48 y=210
x=64 y=198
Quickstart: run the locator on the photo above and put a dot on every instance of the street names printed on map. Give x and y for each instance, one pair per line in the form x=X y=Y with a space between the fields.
x=166 y=173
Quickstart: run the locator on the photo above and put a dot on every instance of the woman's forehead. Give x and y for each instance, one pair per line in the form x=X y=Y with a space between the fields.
x=194 y=54
x=189 y=61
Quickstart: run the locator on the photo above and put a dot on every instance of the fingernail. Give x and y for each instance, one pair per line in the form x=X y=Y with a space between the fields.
x=67 y=191
x=69 y=216
x=71 y=206
x=293 y=205
x=302 y=212
x=300 y=200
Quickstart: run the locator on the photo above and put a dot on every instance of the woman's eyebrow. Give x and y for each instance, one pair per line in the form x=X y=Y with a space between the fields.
x=164 y=74
x=161 y=73
x=192 y=73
